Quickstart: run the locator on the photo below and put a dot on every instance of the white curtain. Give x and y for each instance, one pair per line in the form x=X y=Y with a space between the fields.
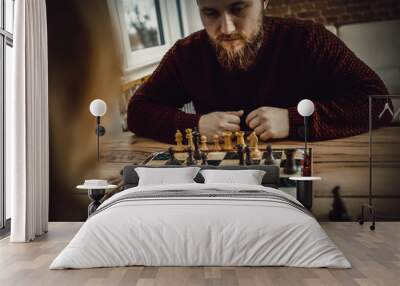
x=27 y=143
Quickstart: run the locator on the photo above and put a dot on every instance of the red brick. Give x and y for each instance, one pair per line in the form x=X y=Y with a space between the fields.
x=340 y=11
x=334 y=11
x=308 y=14
x=278 y=11
x=331 y=20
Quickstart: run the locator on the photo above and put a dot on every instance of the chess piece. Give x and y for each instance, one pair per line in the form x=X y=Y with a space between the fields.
x=172 y=160
x=240 y=138
x=203 y=145
x=269 y=156
x=179 y=139
x=290 y=163
x=306 y=168
x=216 y=147
x=248 y=156
x=339 y=212
x=189 y=138
x=190 y=159
x=255 y=153
x=227 y=141
x=204 y=159
x=240 y=154
x=196 y=141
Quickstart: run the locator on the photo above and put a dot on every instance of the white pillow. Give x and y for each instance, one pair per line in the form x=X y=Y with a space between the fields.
x=166 y=176
x=248 y=177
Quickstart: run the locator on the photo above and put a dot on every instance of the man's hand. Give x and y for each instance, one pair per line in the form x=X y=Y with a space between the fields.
x=218 y=122
x=269 y=122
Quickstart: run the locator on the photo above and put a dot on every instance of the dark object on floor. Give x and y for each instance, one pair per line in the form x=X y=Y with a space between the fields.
x=339 y=212
x=172 y=160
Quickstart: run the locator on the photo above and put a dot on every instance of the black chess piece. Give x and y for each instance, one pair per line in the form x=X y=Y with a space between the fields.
x=249 y=161
x=269 y=156
x=190 y=159
x=339 y=211
x=204 y=159
x=290 y=163
x=240 y=154
x=196 y=142
x=172 y=160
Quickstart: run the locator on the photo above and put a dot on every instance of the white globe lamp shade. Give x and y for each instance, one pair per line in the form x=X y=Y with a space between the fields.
x=305 y=107
x=98 y=107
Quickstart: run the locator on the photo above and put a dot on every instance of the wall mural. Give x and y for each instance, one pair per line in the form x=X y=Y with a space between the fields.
x=84 y=64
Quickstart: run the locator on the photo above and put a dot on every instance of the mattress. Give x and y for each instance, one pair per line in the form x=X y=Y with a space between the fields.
x=201 y=225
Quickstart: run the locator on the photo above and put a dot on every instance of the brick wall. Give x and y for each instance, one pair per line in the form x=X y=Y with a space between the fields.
x=336 y=12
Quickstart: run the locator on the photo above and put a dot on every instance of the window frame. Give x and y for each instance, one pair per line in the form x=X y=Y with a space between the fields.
x=140 y=63
x=6 y=39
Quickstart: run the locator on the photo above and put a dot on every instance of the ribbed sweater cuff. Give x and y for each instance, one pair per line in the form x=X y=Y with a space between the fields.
x=296 y=124
x=188 y=121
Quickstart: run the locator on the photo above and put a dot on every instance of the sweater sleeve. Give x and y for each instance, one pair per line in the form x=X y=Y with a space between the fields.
x=153 y=111
x=347 y=80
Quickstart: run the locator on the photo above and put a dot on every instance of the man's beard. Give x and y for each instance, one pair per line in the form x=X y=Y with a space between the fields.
x=244 y=57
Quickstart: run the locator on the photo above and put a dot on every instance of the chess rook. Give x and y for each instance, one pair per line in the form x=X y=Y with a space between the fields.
x=240 y=139
x=227 y=141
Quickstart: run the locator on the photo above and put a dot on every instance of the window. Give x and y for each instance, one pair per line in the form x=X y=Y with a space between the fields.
x=6 y=44
x=143 y=22
x=146 y=29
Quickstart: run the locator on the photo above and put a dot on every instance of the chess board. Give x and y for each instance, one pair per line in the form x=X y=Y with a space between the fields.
x=225 y=158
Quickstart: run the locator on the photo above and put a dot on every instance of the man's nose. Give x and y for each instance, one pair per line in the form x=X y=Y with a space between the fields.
x=227 y=24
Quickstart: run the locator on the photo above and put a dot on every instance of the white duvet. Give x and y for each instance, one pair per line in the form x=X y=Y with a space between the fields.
x=202 y=231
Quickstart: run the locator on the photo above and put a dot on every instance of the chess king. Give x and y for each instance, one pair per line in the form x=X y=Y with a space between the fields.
x=247 y=71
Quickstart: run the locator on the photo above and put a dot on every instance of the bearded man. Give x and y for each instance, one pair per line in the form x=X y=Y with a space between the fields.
x=246 y=71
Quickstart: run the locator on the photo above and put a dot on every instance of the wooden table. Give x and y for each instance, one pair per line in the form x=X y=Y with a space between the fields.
x=341 y=162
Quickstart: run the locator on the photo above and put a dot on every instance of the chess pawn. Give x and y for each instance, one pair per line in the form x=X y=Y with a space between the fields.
x=240 y=153
x=189 y=138
x=190 y=159
x=248 y=156
x=255 y=153
x=204 y=159
x=172 y=160
x=227 y=141
x=203 y=145
x=240 y=138
x=216 y=147
x=179 y=139
x=290 y=162
x=269 y=156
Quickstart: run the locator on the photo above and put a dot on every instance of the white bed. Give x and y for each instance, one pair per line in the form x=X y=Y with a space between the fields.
x=268 y=228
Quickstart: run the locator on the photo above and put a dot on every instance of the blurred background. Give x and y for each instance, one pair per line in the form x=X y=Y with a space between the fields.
x=106 y=48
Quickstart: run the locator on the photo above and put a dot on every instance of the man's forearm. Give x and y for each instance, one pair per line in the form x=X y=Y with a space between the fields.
x=158 y=122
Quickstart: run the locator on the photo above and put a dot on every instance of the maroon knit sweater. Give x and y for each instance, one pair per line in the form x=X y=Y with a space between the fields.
x=297 y=60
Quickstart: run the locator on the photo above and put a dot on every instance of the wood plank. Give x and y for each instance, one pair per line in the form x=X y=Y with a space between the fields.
x=375 y=257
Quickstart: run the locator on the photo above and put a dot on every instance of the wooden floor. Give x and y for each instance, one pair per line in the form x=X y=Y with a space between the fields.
x=375 y=257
